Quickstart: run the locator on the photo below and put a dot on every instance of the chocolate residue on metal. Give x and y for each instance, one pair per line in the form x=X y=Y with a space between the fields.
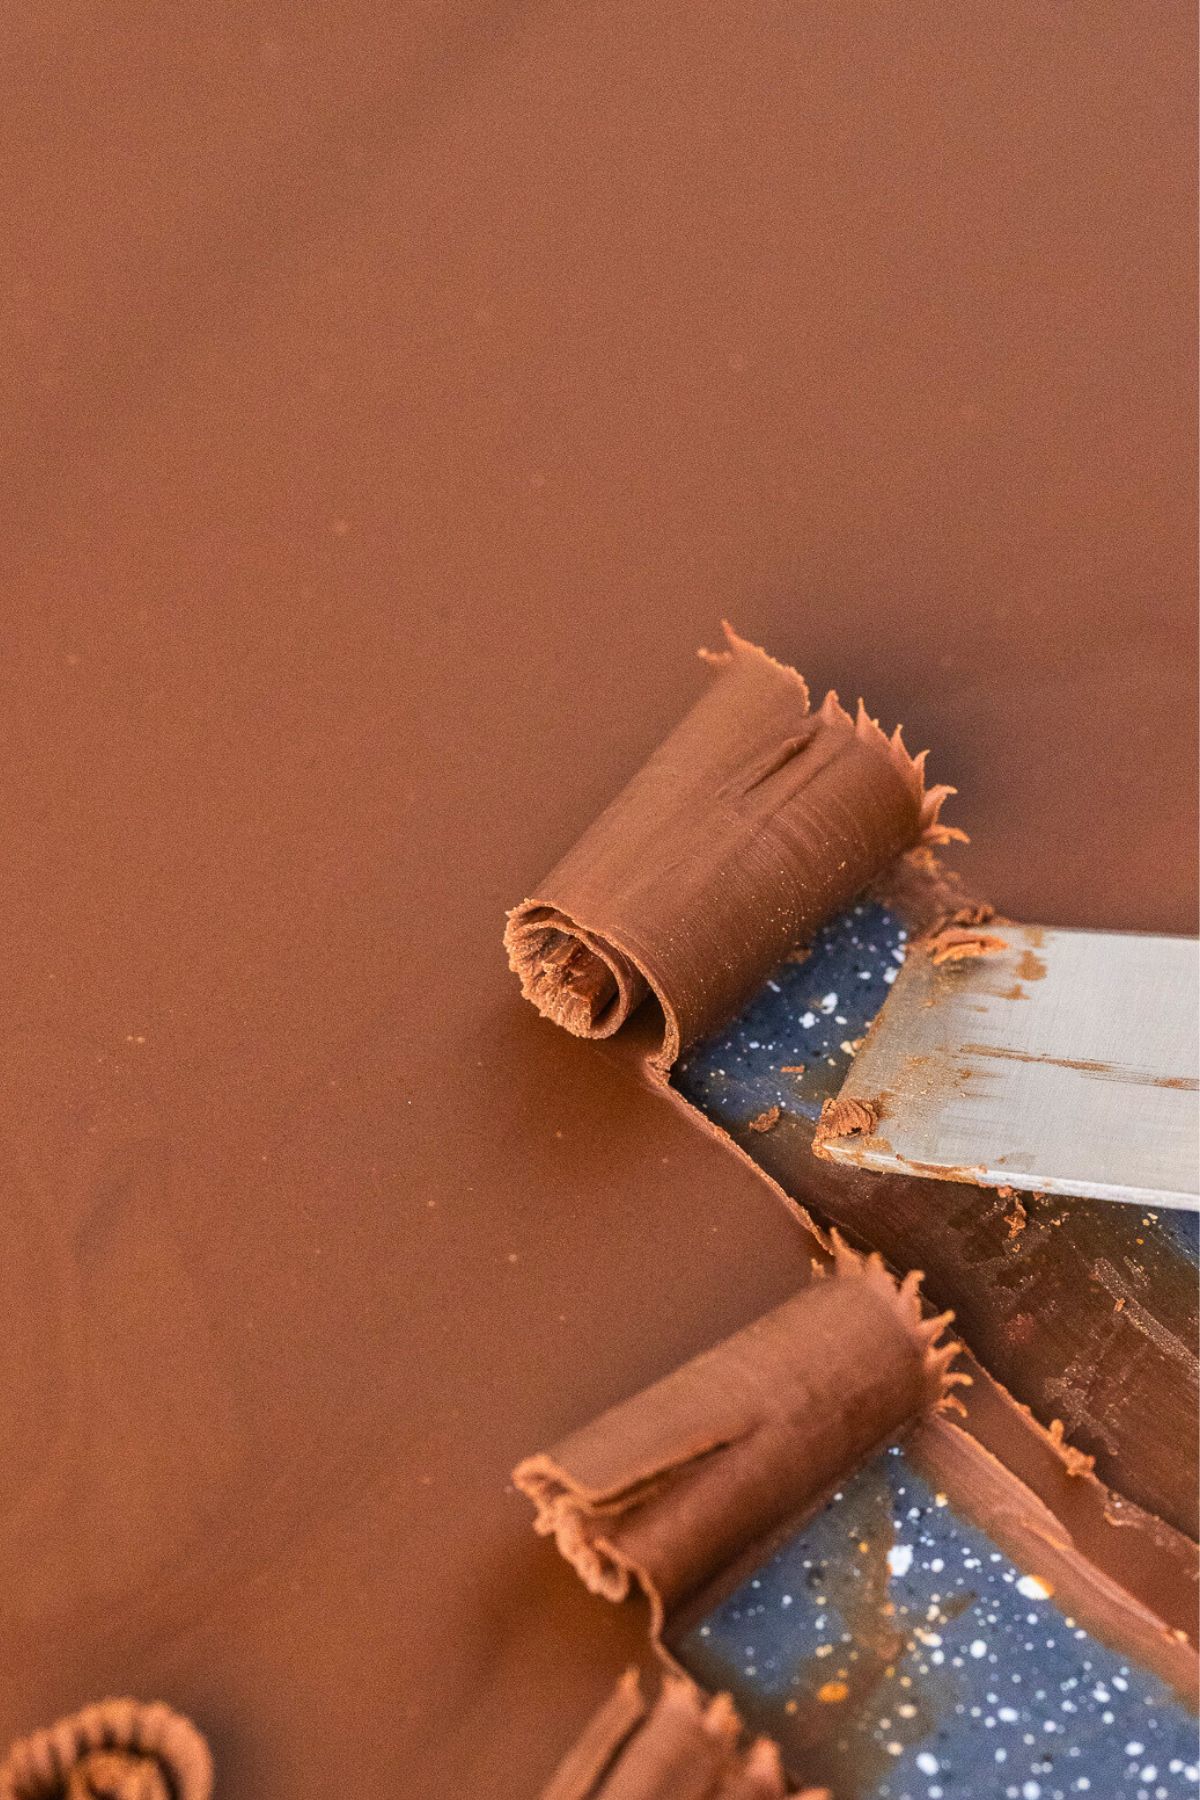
x=1113 y=1071
x=957 y=943
x=846 y=1118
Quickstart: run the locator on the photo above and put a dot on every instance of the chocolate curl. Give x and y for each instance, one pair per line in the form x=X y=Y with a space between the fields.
x=678 y=1484
x=115 y=1750
x=751 y=825
x=682 y=1748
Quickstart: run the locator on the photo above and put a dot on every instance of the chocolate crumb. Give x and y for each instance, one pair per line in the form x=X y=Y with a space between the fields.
x=957 y=943
x=956 y=936
x=1076 y=1462
x=766 y=1120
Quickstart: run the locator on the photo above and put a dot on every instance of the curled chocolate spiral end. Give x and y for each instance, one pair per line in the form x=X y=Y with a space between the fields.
x=117 y=1775
x=579 y=981
x=754 y=822
x=116 y=1750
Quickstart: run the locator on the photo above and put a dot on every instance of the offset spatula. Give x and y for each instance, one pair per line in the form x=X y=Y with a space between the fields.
x=1062 y=1061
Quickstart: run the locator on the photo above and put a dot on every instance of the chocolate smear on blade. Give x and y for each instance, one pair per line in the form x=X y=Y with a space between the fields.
x=715 y=1462
x=683 y=1747
x=751 y=825
x=114 y=1750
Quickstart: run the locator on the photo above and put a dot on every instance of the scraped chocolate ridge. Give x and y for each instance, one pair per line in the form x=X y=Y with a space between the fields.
x=1041 y=1543
x=684 y=1747
x=114 y=1750
x=709 y=1465
x=751 y=825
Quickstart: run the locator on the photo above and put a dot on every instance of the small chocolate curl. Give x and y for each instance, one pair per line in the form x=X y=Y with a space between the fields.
x=845 y=1118
x=684 y=1747
x=682 y=1482
x=753 y=823
x=115 y=1750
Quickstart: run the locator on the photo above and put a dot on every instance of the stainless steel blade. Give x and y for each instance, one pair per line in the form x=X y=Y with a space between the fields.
x=1068 y=1062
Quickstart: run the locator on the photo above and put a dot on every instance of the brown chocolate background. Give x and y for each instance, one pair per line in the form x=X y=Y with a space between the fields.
x=393 y=400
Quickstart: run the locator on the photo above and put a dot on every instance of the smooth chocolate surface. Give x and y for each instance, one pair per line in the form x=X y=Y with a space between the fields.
x=394 y=401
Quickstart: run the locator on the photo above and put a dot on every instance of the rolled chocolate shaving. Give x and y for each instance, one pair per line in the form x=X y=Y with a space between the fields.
x=114 y=1750
x=682 y=1481
x=755 y=822
x=683 y=1748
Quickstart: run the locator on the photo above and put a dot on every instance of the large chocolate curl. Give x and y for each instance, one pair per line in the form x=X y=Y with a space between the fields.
x=680 y=1482
x=755 y=822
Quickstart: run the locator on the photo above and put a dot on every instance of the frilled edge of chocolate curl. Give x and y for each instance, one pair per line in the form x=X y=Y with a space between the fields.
x=650 y=1751
x=575 y=978
x=586 y=1520
x=869 y=731
x=113 y=1750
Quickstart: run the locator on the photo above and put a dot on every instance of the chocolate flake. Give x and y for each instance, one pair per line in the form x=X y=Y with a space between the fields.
x=958 y=943
x=766 y=1120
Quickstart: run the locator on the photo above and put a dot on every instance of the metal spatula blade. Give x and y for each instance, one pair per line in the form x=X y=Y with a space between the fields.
x=1066 y=1062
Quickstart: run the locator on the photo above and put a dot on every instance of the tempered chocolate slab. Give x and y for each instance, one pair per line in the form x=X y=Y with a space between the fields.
x=1086 y=1311
x=394 y=398
x=897 y=1651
